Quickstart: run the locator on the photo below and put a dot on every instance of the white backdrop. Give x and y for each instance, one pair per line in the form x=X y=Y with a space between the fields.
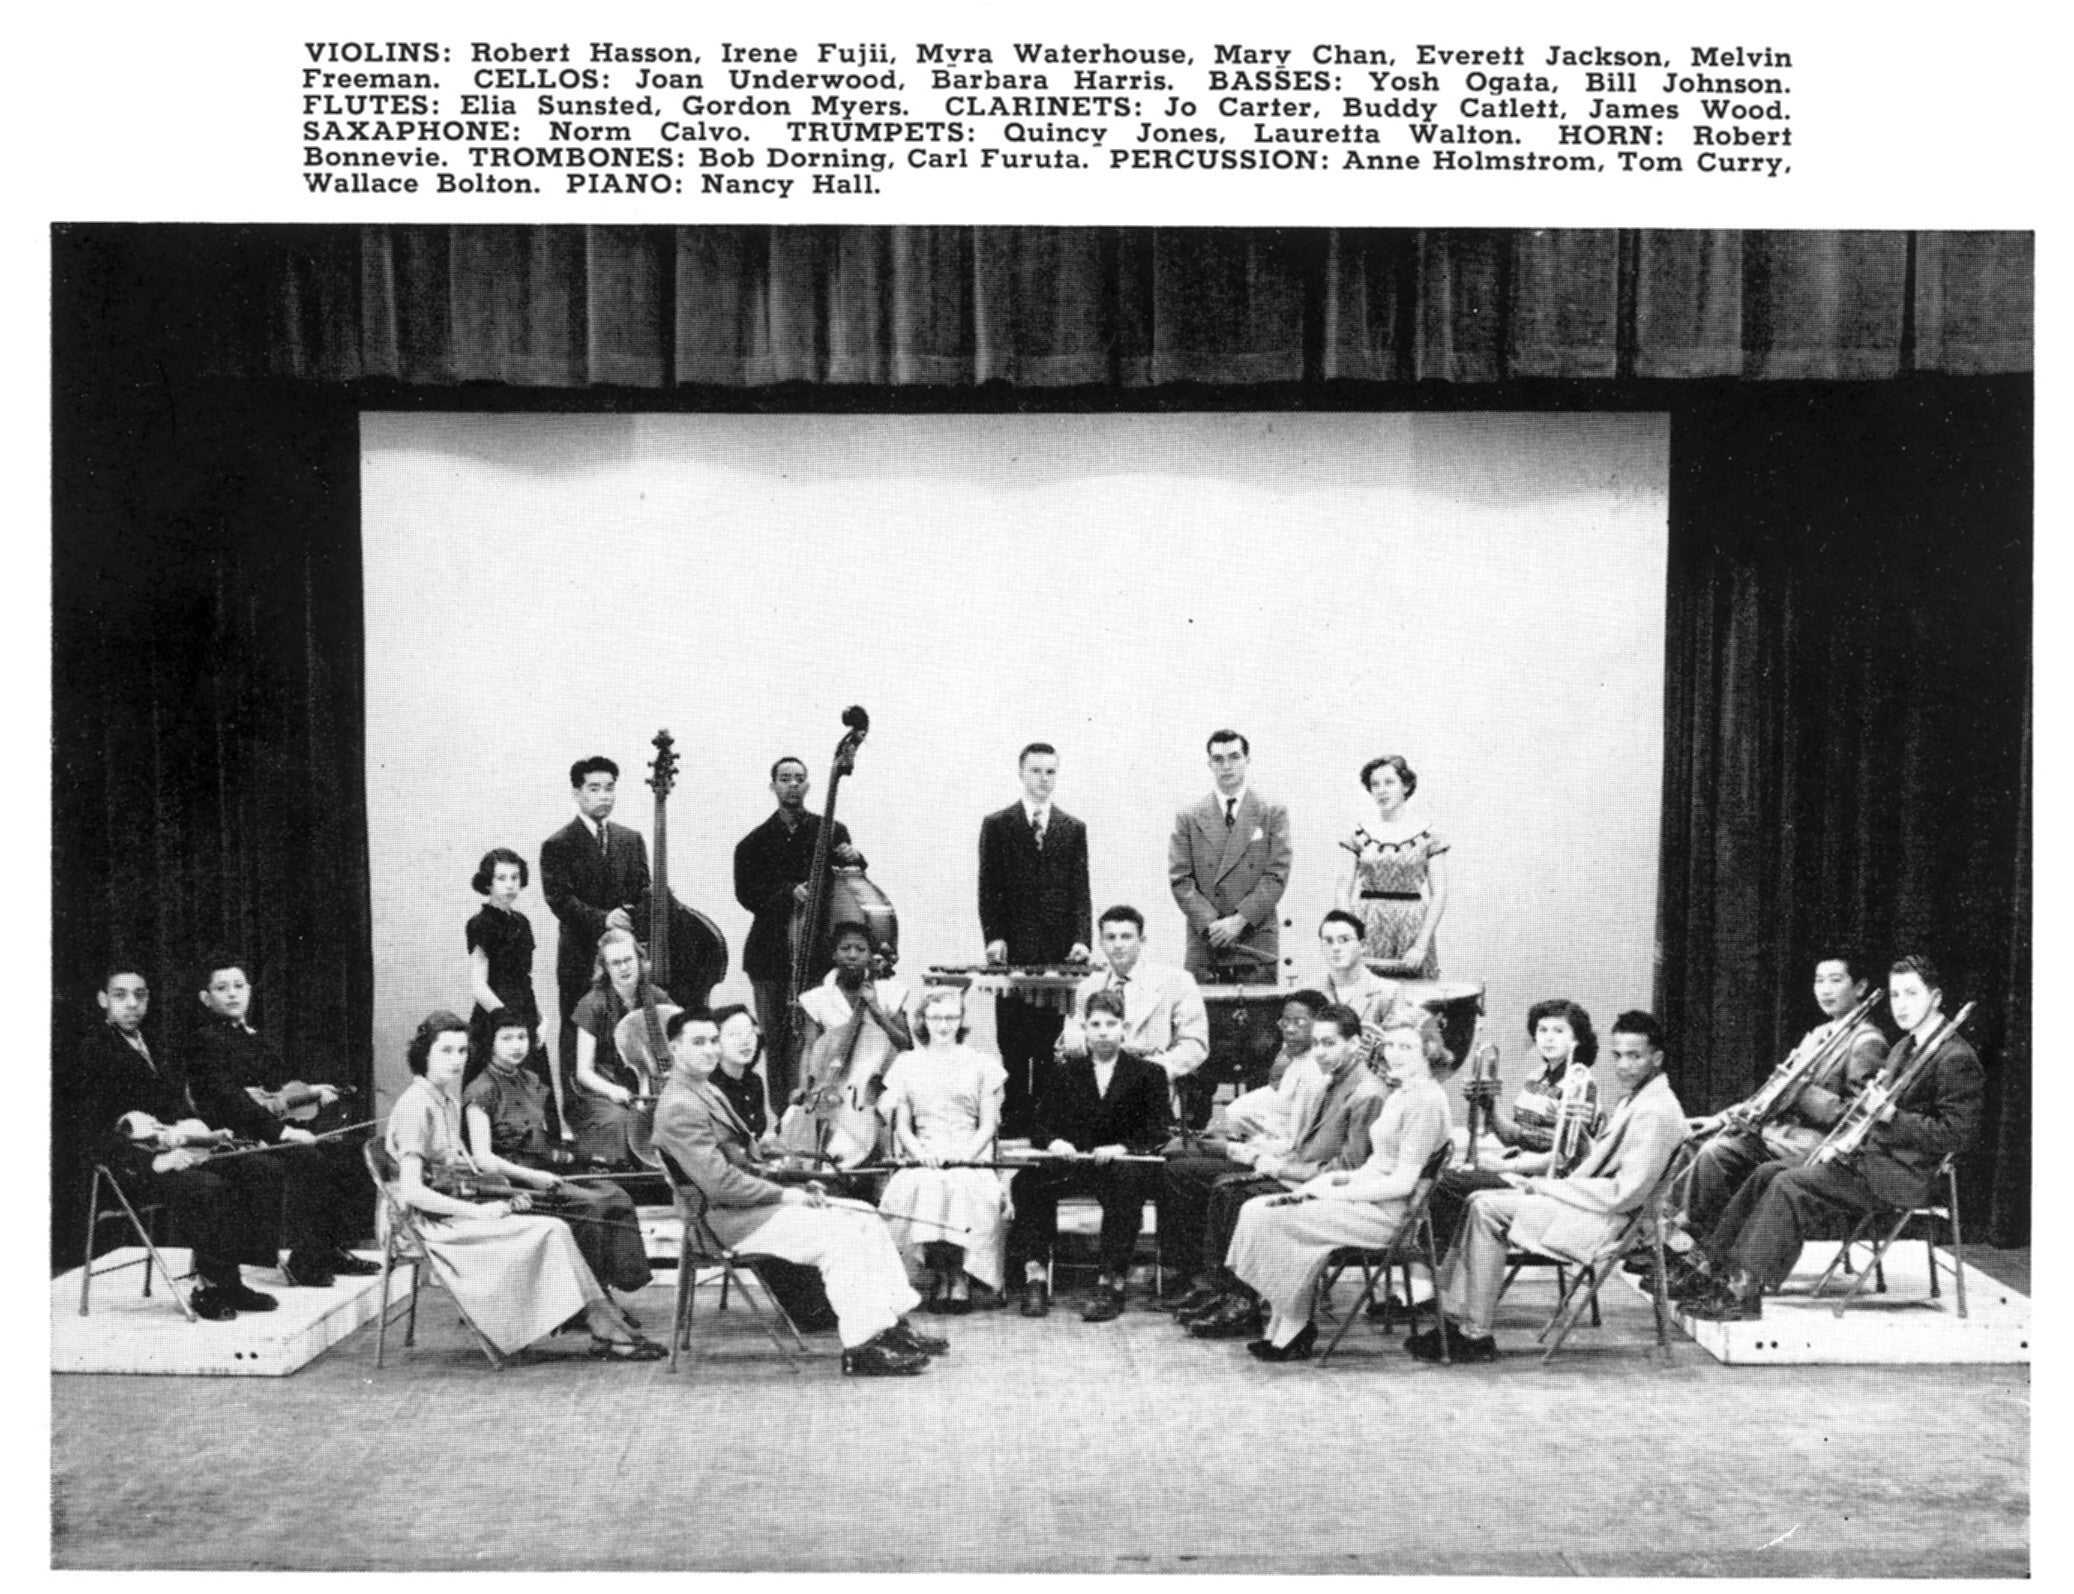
x=1481 y=593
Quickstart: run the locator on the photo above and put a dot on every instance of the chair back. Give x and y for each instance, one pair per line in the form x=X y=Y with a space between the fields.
x=699 y=1242
x=397 y=1219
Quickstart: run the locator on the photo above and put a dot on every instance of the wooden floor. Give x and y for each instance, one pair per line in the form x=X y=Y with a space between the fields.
x=1057 y=1446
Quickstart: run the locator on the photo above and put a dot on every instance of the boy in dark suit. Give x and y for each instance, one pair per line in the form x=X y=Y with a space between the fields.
x=1108 y=1104
x=1034 y=907
x=594 y=875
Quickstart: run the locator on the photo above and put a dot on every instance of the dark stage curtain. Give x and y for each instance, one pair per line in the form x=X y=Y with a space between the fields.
x=207 y=716
x=1847 y=729
x=1128 y=308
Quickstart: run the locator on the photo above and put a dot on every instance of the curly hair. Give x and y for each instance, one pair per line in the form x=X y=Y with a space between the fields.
x=1577 y=1018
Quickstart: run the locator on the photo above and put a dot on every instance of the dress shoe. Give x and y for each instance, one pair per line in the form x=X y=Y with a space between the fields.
x=1461 y=1347
x=1036 y=1298
x=1297 y=1350
x=1106 y=1307
x=244 y=1299
x=1192 y=1300
x=1216 y=1304
x=1236 y=1319
x=306 y=1271
x=347 y=1265
x=904 y=1336
x=1723 y=1305
x=636 y=1349
x=880 y=1360
x=210 y=1306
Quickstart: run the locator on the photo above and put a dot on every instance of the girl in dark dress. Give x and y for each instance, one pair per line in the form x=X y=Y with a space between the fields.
x=500 y=970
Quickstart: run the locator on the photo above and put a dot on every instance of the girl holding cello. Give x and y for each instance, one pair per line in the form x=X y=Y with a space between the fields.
x=851 y=1026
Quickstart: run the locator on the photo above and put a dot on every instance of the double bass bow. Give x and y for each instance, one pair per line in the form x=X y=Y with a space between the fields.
x=639 y=1036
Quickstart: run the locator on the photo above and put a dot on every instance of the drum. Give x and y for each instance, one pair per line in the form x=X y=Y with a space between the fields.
x=1459 y=1004
x=1244 y=1038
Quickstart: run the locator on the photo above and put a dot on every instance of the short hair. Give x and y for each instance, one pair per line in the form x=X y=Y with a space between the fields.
x=721 y=1015
x=1577 y=1018
x=789 y=758
x=1636 y=1022
x=1921 y=967
x=486 y=871
x=216 y=960
x=123 y=965
x=596 y=764
x=1108 y=1001
x=1245 y=746
x=1035 y=747
x=1852 y=958
x=612 y=937
x=499 y=1019
x=1342 y=916
x=673 y=1026
x=845 y=927
x=440 y=1021
x=1426 y=1023
x=1341 y=1017
x=930 y=997
x=1122 y=913
x=1316 y=1001
x=1396 y=761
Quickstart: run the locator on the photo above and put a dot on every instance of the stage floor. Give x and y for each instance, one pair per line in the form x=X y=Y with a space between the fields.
x=1903 y=1325
x=131 y=1332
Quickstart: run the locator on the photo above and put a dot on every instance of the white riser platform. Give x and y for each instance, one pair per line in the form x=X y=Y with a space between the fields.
x=133 y=1333
x=1902 y=1326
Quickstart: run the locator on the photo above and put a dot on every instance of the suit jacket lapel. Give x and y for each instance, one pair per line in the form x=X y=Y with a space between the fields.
x=1244 y=822
x=720 y=1107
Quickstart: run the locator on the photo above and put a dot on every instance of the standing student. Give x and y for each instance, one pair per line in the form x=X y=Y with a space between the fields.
x=500 y=970
x=594 y=875
x=1228 y=864
x=1034 y=907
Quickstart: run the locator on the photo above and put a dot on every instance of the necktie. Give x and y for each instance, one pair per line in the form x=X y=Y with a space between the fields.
x=1231 y=812
x=604 y=848
x=1037 y=830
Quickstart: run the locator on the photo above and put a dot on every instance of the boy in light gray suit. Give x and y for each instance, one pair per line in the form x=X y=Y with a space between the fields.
x=1228 y=863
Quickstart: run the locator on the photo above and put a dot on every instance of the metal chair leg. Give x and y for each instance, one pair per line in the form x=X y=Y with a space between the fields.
x=381 y=1331
x=93 y=1225
x=1951 y=1175
x=1433 y=1272
x=151 y=1255
x=680 y=1322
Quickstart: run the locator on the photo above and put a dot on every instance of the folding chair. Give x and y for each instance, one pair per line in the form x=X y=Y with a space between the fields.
x=1867 y=1232
x=1644 y=1226
x=143 y=1218
x=403 y=1240
x=701 y=1247
x=1402 y=1252
x=1145 y=1227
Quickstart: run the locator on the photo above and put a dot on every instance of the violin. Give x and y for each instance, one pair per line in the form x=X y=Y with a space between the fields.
x=296 y=1102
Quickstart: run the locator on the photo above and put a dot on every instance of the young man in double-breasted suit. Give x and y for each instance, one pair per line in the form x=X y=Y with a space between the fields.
x=1034 y=907
x=1228 y=864
x=594 y=875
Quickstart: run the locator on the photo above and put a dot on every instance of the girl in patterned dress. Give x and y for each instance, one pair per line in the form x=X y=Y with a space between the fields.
x=1398 y=881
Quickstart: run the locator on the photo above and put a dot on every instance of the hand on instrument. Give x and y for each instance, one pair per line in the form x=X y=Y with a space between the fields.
x=622 y=1095
x=846 y=854
x=1267 y=1164
x=618 y=919
x=997 y=951
x=1072 y=1041
x=300 y=1136
x=490 y=1209
x=326 y=1094
x=1109 y=1153
x=930 y=1159
x=1078 y=952
x=1063 y=1148
x=178 y=1158
x=1227 y=930
x=1886 y=1113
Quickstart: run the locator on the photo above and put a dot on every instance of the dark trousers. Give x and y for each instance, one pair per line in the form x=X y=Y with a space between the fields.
x=780 y=1063
x=229 y=1214
x=1779 y=1208
x=1724 y=1164
x=1123 y=1188
x=602 y=1222
x=1187 y=1184
x=1451 y=1201
x=1221 y=1221
x=330 y=1201
x=1025 y=1034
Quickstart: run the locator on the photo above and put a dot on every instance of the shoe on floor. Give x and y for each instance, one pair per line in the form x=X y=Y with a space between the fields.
x=880 y=1360
x=1237 y=1318
x=210 y=1305
x=1189 y=1300
x=636 y=1349
x=1193 y=1315
x=1724 y=1306
x=1106 y=1307
x=308 y=1271
x=1461 y=1347
x=1036 y=1298
x=243 y=1298
x=347 y=1265
x=1297 y=1350
x=904 y=1336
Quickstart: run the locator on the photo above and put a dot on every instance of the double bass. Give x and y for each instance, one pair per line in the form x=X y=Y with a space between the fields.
x=639 y=1036
x=839 y=1082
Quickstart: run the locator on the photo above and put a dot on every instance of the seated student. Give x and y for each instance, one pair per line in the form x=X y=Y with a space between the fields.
x=1164 y=1020
x=854 y=1023
x=601 y=1103
x=1107 y=1104
x=518 y=1275
x=1522 y=1142
x=1281 y=1243
x=944 y=1102
x=1736 y=1148
x=1335 y=1101
x=1347 y=979
x=722 y=1165
x=1265 y=1112
x=1758 y=1239
x=1570 y=1217
x=329 y=1204
x=228 y=1213
x=505 y=1111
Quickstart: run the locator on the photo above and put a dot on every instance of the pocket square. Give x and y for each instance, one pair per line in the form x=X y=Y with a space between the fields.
x=1258 y=832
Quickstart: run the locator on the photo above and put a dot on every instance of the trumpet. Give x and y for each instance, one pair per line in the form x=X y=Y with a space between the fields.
x=1574 y=1114
x=1847 y=1138
x=1797 y=1072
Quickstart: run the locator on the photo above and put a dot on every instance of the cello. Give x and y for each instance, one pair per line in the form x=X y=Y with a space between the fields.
x=639 y=1036
x=839 y=1083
